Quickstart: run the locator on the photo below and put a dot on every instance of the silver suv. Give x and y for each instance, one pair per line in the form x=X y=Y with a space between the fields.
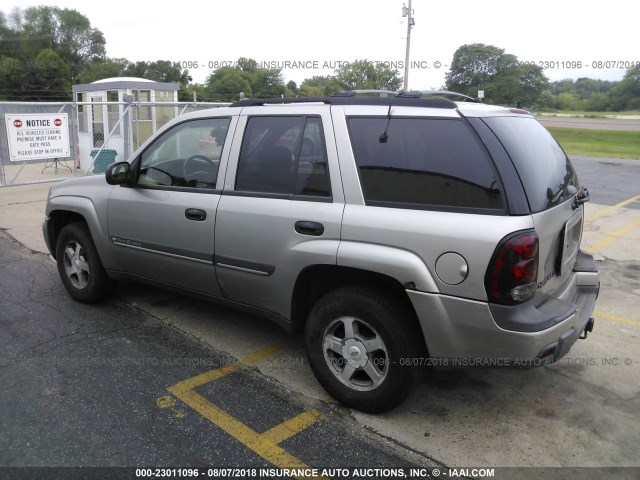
x=396 y=232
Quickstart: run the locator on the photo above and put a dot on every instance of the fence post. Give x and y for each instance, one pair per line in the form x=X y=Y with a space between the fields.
x=126 y=122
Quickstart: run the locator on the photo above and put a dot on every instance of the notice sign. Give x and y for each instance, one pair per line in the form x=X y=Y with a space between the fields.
x=37 y=136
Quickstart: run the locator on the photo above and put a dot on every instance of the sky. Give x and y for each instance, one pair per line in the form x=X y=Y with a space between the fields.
x=317 y=36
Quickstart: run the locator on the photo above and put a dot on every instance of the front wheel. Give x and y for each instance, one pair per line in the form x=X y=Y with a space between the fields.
x=360 y=343
x=79 y=265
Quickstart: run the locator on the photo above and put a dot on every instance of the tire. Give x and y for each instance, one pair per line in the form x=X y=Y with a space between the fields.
x=378 y=334
x=79 y=265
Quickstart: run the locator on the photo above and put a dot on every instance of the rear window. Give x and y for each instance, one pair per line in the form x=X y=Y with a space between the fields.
x=544 y=169
x=425 y=163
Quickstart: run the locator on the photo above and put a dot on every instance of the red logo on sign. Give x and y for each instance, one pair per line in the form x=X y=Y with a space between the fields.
x=57 y=122
x=17 y=123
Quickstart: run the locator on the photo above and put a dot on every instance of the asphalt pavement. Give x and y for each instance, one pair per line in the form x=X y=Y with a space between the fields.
x=86 y=386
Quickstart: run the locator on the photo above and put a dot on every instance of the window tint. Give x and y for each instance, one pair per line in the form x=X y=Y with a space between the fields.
x=545 y=171
x=188 y=155
x=284 y=155
x=424 y=162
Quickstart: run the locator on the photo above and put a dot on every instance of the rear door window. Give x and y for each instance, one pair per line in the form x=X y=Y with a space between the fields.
x=424 y=163
x=544 y=169
x=284 y=155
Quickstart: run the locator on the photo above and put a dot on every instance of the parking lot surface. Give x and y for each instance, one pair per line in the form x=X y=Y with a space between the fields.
x=113 y=387
x=579 y=412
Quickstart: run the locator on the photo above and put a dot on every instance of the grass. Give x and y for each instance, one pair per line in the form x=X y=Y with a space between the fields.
x=598 y=143
x=583 y=114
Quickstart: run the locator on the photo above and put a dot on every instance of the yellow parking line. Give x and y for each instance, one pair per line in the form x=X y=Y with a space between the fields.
x=616 y=318
x=217 y=373
x=238 y=430
x=606 y=211
x=264 y=444
x=610 y=237
x=292 y=427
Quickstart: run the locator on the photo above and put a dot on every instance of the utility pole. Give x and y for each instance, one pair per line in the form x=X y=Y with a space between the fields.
x=407 y=12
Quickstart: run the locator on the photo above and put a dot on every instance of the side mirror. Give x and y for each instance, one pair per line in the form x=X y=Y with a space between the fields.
x=119 y=174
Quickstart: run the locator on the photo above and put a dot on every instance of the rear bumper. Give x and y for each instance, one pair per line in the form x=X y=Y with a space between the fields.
x=465 y=333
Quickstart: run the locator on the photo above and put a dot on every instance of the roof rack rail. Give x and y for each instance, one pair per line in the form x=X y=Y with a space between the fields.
x=257 y=102
x=420 y=93
x=350 y=100
x=353 y=93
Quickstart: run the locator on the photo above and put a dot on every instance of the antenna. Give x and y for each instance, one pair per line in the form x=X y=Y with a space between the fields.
x=383 y=136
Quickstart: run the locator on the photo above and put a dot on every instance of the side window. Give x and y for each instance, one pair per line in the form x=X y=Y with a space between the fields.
x=188 y=155
x=424 y=162
x=284 y=155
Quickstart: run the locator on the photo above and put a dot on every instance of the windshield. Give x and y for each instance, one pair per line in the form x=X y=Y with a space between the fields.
x=544 y=169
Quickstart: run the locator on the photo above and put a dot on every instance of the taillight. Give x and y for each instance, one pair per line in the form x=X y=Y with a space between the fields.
x=513 y=271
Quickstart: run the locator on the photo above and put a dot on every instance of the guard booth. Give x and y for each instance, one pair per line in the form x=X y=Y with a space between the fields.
x=108 y=131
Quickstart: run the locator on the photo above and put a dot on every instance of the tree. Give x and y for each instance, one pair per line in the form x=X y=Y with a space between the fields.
x=587 y=87
x=67 y=32
x=504 y=79
x=472 y=67
x=568 y=101
x=267 y=82
x=12 y=79
x=226 y=83
x=97 y=70
x=247 y=64
x=626 y=94
x=533 y=83
x=319 y=86
x=563 y=86
x=159 y=71
x=10 y=39
x=546 y=101
x=200 y=90
x=47 y=79
x=291 y=89
x=363 y=74
x=598 y=102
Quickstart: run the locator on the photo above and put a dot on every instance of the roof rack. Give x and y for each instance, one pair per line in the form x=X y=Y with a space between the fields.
x=352 y=99
x=353 y=93
x=421 y=93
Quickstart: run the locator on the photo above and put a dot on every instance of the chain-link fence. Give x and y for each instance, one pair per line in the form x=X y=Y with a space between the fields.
x=99 y=133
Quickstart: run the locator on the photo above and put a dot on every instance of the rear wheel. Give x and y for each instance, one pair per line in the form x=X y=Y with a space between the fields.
x=79 y=265
x=361 y=344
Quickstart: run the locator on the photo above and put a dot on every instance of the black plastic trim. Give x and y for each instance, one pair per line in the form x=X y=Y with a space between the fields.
x=526 y=317
x=243 y=264
x=156 y=248
x=585 y=263
x=281 y=196
x=208 y=191
x=436 y=208
x=399 y=101
x=517 y=202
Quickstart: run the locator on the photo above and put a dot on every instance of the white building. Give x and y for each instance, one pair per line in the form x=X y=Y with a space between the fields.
x=108 y=126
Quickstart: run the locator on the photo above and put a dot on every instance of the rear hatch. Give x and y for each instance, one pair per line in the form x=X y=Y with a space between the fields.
x=550 y=184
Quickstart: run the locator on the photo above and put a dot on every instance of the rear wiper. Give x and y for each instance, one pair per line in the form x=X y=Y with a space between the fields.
x=581 y=197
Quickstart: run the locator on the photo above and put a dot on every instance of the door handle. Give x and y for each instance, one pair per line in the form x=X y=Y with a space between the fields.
x=195 y=214
x=309 y=228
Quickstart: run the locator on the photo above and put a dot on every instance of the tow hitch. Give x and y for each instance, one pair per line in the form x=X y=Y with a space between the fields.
x=588 y=328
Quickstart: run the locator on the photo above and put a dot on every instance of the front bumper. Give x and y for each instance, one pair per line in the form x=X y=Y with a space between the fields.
x=465 y=333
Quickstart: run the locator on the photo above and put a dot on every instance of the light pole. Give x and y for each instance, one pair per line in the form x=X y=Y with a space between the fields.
x=407 y=12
